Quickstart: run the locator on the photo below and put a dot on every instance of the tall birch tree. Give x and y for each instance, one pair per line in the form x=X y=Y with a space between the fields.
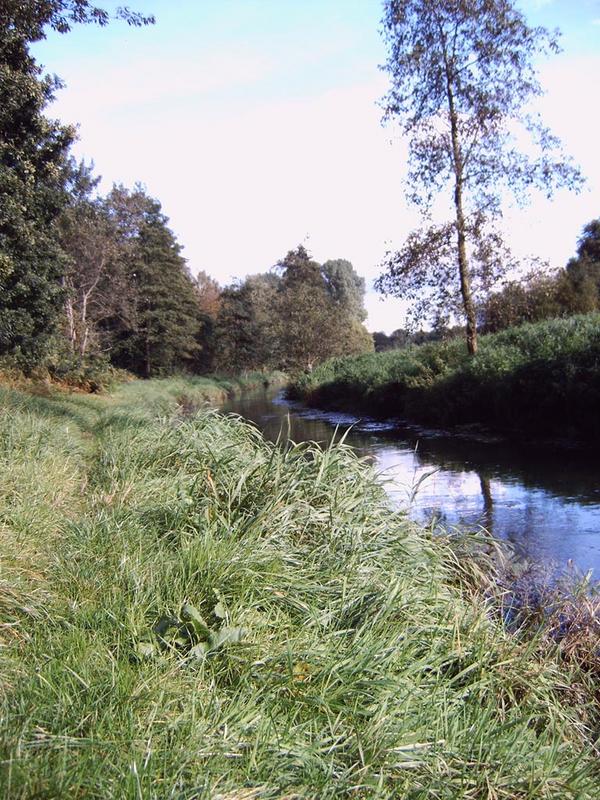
x=462 y=80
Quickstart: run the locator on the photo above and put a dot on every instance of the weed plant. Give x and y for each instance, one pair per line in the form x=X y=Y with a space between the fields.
x=539 y=378
x=362 y=664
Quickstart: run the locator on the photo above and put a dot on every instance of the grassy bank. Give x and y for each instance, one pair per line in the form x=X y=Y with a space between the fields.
x=192 y=393
x=188 y=612
x=96 y=377
x=541 y=379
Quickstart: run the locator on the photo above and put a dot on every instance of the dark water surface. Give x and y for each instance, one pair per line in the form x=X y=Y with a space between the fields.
x=545 y=502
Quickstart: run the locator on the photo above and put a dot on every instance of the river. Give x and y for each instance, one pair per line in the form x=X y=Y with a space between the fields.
x=545 y=502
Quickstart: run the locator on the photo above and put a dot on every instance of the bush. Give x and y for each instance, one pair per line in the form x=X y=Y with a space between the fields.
x=542 y=378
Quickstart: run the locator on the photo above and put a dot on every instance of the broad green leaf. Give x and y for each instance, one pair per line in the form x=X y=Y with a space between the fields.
x=193 y=617
x=226 y=636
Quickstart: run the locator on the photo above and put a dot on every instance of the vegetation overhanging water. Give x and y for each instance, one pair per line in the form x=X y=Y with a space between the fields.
x=546 y=503
x=189 y=611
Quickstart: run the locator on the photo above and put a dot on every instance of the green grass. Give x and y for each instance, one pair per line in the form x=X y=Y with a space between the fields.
x=367 y=668
x=540 y=378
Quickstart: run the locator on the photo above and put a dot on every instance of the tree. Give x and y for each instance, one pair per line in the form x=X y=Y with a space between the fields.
x=33 y=153
x=248 y=328
x=584 y=269
x=94 y=285
x=33 y=174
x=574 y=290
x=532 y=299
x=346 y=287
x=209 y=299
x=320 y=311
x=461 y=79
x=396 y=340
x=291 y=318
x=30 y=18
x=306 y=310
x=208 y=294
x=159 y=329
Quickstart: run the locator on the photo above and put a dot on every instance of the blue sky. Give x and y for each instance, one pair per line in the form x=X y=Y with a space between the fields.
x=255 y=123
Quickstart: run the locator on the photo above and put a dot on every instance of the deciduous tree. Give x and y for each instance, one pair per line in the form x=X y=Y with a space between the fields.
x=462 y=78
x=346 y=287
x=248 y=331
x=33 y=173
x=584 y=269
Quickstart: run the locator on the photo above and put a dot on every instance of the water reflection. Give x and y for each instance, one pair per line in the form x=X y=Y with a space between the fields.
x=547 y=504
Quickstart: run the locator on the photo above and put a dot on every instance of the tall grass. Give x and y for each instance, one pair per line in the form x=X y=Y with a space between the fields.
x=541 y=378
x=366 y=668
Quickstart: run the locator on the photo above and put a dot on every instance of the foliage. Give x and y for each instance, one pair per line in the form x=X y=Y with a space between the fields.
x=208 y=293
x=31 y=18
x=292 y=318
x=33 y=152
x=539 y=296
x=583 y=270
x=33 y=175
x=188 y=633
x=159 y=331
x=346 y=288
x=369 y=661
x=107 y=272
x=402 y=337
x=94 y=287
x=306 y=311
x=461 y=78
x=532 y=299
x=247 y=330
x=537 y=379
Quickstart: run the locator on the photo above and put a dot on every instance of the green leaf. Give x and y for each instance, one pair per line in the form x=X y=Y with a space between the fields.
x=192 y=616
x=226 y=636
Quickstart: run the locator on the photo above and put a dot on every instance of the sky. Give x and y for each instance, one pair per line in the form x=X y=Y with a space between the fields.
x=256 y=124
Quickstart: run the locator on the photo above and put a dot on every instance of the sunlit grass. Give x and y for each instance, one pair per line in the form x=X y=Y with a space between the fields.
x=367 y=668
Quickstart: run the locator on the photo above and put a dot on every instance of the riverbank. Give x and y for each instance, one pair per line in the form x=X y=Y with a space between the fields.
x=188 y=610
x=536 y=381
x=192 y=390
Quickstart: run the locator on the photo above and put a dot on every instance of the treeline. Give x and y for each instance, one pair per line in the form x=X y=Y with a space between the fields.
x=402 y=337
x=538 y=296
x=89 y=281
x=572 y=290
x=291 y=318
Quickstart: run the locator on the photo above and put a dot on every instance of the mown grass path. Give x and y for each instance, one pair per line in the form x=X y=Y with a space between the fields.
x=365 y=668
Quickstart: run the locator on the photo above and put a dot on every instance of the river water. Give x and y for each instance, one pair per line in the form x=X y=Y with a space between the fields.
x=545 y=502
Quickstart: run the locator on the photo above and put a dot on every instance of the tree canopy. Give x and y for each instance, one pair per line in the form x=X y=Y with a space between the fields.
x=34 y=174
x=584 y=269
x=462 y=78
x=293 y=317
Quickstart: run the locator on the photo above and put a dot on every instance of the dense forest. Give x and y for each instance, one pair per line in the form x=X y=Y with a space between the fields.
x=91 y=281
